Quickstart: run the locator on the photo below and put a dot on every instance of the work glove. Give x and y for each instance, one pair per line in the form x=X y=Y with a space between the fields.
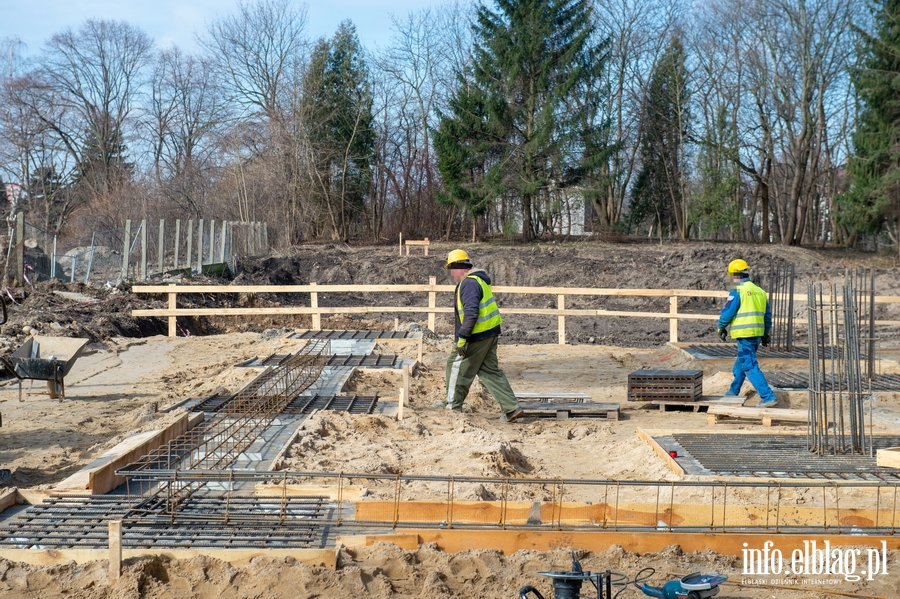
x=462 y=348
x=723 y=333
x=765 y=340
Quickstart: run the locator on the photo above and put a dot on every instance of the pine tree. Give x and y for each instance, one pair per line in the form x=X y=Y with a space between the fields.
x=524 y=126
x=874 y=193
x=338 y=106
x=659 y=191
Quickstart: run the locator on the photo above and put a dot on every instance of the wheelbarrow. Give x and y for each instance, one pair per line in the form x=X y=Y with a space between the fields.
x=45 y=359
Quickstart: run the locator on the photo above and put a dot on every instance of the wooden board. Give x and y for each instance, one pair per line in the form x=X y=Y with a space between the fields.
x=99 y=477
x=238 y=558
x=705 y=401
x=573 y=409
x=345 y=493
x=888 y=457
x=767 y=415
x=8 y=498
x=510 y=541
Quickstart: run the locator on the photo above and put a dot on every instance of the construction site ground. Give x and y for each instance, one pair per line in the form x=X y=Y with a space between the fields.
x=132 y=379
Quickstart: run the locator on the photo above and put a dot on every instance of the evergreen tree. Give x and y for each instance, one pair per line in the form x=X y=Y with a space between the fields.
x=467 y=145
x=659 y=193
x=874 y=168
x=530 y=61
x=338 y=106
x=714 y=202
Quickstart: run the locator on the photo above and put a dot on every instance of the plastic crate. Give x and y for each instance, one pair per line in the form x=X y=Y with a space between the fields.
x=680 y=385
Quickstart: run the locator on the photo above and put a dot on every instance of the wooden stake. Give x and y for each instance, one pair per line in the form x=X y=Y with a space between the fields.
x=400 y=401
x=432 y=281
x=561 y=319
x=673 y=321
x=172 y=306
x=317 y=316
x=115 y=551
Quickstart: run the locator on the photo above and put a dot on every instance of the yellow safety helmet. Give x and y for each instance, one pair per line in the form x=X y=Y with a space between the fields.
x=736 y=266
x=456 y=256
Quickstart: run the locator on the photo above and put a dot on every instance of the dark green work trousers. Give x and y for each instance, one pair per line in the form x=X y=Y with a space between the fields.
x=481 y=360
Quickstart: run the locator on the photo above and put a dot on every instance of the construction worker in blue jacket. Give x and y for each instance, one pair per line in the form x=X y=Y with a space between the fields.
x=748 y=314
x=477 y=326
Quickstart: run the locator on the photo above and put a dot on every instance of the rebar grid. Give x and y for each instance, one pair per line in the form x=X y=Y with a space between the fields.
x=780 y=287
x=606 y=496
x=280 y=520
x=219 y=441
x=836 y=396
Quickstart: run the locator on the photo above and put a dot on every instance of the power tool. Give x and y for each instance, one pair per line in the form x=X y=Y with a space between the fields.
x=692 y=586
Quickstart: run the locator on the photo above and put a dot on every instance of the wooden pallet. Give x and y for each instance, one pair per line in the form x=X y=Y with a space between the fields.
x=551 y=397
x=705 y=401
x=766 y=414
x=565 y=410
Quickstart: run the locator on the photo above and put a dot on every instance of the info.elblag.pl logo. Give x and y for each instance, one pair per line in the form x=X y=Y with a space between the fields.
x=815 y=559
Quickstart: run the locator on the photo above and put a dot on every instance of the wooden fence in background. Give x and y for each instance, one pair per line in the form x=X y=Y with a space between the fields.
x=431 y=309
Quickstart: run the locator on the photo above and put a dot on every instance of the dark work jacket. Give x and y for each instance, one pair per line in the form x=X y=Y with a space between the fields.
x=470 y=295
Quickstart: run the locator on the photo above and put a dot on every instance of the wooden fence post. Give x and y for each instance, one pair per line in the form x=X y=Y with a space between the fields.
x=673 y=321
x=431 y=303
x=172 y=305
x=115 y=551
x=561 y=319
x=125 y=251
x=314 y=303
x=190 y=241
x=401 y=245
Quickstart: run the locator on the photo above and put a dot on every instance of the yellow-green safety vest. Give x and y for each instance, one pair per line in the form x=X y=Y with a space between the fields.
x=750 y=320
x=488 y=312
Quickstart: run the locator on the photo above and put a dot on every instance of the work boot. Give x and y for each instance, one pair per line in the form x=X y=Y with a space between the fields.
x=511 y=416
x=771 y=403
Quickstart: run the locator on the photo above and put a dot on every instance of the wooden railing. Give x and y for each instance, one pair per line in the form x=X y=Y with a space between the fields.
x=431 y=309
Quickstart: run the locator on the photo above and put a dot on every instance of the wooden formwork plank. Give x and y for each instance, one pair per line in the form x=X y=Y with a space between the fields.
x=510 y=541
x=662 y=453
x=573 y=409
x=889 y=457
x=668 y=512
x=100 y=477
x=345 y=493
x=238 y=558
x=471 y=512
x=8 y=498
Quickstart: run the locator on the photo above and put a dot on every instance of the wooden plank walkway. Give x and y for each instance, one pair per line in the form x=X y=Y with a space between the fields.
x=766 y=414
x=705 y=401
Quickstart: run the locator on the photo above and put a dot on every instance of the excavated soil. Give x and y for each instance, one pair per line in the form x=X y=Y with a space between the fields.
x=132 y=379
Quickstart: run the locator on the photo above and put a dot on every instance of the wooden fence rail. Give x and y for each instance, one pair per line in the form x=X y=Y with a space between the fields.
x=431 y=309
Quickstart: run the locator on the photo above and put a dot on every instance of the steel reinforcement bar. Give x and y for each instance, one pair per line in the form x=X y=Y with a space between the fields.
x=860 y=507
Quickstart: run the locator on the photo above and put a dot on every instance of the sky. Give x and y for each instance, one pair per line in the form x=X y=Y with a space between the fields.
x=176 y=21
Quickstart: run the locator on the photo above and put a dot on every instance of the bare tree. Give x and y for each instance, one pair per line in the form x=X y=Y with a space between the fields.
x=186 y=115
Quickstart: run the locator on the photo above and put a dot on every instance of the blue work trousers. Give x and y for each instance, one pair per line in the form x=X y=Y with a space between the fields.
x=746 y=367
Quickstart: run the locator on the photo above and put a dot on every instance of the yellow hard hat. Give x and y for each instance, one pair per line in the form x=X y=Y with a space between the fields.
x=456 y=256
x=736 y=266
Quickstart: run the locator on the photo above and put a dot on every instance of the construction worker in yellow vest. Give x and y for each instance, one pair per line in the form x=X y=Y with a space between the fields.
x=748 y=314
x=477 y=326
